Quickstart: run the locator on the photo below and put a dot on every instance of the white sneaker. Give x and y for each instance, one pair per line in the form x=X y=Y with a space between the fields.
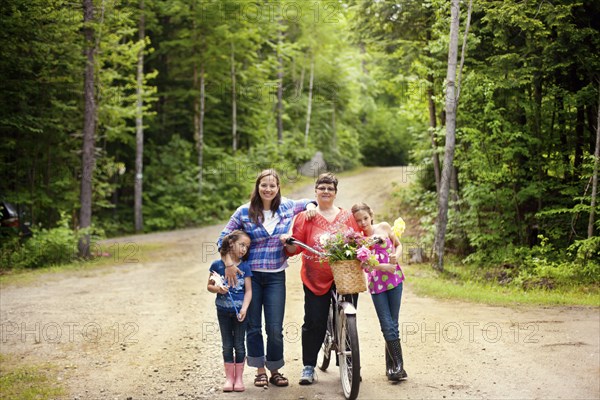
x=308 y=375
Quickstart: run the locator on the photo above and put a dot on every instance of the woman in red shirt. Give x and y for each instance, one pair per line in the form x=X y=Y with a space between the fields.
x=317 y=277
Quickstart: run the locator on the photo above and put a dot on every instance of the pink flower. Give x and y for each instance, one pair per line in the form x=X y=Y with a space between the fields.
x=363 y=253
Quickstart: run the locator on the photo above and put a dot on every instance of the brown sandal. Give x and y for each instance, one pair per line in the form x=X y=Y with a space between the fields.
x=260 y=380
x=279 y=380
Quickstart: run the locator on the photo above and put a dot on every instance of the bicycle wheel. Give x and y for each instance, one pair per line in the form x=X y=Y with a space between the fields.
x=328 y=344
x=349 y=357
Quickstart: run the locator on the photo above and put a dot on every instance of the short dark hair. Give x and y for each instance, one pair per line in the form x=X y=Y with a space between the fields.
x=327 y=177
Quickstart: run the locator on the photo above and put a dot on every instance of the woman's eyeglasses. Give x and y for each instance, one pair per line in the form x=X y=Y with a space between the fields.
x=326 y=189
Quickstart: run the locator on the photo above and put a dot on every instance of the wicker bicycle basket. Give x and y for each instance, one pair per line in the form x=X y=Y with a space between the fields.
x=349 y=276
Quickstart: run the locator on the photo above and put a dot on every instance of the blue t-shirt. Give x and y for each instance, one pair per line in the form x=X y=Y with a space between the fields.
x=223 y=301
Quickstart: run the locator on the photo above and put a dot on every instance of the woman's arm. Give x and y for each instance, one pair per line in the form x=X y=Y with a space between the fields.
x=235 y=222
x=231 y=270
x=247 y=298
x=297 y=230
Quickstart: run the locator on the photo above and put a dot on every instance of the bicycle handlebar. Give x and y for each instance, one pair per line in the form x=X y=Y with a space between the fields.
x=296 y=242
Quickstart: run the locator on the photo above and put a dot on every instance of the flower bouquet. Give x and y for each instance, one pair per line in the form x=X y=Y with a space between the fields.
x=344 y=251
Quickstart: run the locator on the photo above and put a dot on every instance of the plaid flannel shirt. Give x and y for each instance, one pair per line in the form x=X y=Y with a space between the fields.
x=266 y=251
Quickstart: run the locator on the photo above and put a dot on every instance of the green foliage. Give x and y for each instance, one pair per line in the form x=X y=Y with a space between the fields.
x=526 y=132
x=171 y=192
x=469 y=283
x=46 y=247
x=526 y=115
x=385 y=139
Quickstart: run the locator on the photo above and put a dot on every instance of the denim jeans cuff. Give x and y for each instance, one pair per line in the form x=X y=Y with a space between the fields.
x=273 y=365
x=256 y=362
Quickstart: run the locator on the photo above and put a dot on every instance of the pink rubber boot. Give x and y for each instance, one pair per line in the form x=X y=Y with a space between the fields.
x=229 y=377
x=238 y=385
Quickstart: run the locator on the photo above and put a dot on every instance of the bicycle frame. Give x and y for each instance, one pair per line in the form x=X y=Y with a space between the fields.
x=341 y=336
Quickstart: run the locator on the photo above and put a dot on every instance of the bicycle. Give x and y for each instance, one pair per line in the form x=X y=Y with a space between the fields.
x=341 y=335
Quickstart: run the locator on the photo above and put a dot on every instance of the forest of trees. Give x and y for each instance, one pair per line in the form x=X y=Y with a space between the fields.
x=120 y=116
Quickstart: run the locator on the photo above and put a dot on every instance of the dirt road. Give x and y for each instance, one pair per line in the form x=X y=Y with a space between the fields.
x=147 y=330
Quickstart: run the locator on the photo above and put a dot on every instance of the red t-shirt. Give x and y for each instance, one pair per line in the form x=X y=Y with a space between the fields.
x=316 y=274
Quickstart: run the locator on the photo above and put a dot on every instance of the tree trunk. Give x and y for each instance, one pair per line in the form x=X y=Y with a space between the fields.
x=199 y=122
x=442 y=218
x=310 y=93
x=432 y=127
x=579 y=140
x=89 y=127
x=280 y=86
x=199 y=103
x=139 y=128
x=433 y=123
x=595 y=175
x=234 y=141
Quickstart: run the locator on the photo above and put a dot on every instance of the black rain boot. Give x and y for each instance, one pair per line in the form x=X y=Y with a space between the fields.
x=396 y=372
x=389 y=364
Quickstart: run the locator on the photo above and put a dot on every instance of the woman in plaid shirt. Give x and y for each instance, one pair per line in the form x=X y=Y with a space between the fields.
x=265 y=218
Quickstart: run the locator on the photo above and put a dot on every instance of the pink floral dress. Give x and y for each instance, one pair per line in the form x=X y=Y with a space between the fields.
x=380 y=281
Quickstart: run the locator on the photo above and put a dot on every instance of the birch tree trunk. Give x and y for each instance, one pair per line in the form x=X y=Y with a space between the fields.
x=452 y=96
x=89 y=127
x=595 y=175
x=139 y=128
x=280 y=86
x=310 y=92
x=442 y=218
x=234 y=140
x=432 y=126
x=199 y=122
x=199 y=103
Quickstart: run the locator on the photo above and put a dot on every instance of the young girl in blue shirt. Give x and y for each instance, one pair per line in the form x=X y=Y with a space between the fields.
x=232 y=305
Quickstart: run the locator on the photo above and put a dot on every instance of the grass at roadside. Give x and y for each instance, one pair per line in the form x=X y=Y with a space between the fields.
x=111 y=256
x=24 y=382
x=459 y=282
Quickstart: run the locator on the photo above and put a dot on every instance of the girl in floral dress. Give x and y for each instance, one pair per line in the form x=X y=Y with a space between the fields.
x=385 y=280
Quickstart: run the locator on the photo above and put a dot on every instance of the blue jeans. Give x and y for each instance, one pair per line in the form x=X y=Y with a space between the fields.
x=268 y=295
x=232 y=335
x=387 y=306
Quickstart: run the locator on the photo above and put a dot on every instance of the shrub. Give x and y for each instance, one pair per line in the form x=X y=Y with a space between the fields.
x=45 y=248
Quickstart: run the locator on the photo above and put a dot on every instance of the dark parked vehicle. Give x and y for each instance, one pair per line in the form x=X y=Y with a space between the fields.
x=12 y=221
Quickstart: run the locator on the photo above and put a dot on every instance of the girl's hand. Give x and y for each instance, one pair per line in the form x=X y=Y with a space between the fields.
x=393 y=259
x=242 y=315
x=223 y=290
x=391 y=268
